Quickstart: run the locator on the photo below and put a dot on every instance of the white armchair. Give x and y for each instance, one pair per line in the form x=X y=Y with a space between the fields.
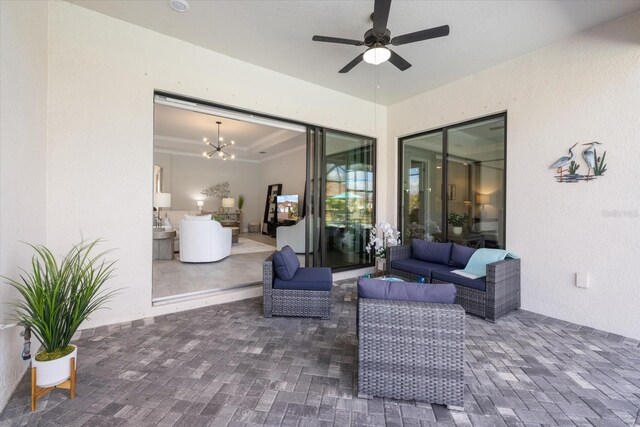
x=203 y=240
x=293 y=236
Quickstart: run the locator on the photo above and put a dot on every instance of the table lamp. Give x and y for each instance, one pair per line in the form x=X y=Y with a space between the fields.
x=483 y=199
x=161 y=200
x=228 y=203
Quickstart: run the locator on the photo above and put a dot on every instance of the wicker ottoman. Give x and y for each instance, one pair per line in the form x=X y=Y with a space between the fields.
x=411 y=351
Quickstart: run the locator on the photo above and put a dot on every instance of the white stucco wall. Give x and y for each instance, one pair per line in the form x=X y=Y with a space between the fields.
x=23 y=149
x=585 y=88
x=102 y=74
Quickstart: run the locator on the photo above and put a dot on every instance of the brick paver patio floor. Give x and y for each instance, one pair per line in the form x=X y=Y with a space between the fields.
x=227 y=365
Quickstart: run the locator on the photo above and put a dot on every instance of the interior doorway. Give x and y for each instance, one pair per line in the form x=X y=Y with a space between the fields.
x=211 y=170
x=308 y=166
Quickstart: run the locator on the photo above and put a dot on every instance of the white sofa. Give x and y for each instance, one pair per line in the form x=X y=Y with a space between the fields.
x=292 y=235
x=203 y=239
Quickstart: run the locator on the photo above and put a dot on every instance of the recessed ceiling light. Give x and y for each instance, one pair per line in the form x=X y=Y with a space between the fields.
x=179 y=5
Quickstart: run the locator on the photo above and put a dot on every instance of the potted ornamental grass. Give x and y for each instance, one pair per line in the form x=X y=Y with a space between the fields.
x=457 y=221
x=56 y=297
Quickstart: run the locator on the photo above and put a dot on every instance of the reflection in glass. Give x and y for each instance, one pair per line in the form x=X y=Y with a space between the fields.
x=468 y=207
x=421 y=190
x=349 y=199
x=475 y=168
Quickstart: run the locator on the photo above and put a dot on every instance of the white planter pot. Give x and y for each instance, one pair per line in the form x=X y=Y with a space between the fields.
x=54 y=372
x=457 y=230
x=381 y=264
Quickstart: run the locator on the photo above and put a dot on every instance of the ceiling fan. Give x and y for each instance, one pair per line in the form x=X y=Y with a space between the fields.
x=377 y=39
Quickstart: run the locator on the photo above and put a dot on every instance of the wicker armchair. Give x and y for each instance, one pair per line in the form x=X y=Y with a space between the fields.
x=502 y=293
x=411 y=351
x=292 y=302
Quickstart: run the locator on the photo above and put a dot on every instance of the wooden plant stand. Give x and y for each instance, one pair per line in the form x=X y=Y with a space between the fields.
x=38 y=392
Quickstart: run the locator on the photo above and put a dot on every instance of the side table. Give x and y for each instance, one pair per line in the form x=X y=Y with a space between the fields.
x=235 y=231
x=163 y=244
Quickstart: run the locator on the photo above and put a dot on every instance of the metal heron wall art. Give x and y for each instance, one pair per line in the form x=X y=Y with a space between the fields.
x=563 y=161
x=594 y=163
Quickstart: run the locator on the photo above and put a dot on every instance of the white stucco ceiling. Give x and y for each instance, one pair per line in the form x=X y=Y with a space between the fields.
x=277 y=35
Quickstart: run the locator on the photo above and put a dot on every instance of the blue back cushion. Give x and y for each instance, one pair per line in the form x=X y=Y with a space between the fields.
x=438 y=253
x=460 y=255
x=405 y=291
x=286 y=263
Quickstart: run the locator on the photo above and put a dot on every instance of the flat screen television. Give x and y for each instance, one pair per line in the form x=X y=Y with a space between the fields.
x=287 y=207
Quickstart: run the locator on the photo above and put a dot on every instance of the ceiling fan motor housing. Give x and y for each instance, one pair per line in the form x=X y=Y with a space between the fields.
x=370 y=37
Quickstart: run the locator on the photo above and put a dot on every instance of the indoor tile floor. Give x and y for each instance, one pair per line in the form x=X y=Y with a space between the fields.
x=227 y=365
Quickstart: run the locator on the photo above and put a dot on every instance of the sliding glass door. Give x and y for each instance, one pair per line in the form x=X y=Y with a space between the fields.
x=453 y=182
x=348 y=198
x=342 y=172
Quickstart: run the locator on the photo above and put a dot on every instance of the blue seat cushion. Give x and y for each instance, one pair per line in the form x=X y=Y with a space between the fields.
x=307 y=279
x=438 y=253
x=450 y=277
x=417 y=267
x=406 y=291
x=286 y=263
x=460 y=255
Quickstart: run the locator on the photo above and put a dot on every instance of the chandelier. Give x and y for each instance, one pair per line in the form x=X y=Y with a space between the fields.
x=218 y=148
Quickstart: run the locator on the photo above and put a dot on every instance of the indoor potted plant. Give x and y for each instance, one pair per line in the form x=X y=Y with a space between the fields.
x=240 y=202
x=56 y=298
x=457 y=221
x=380 y=238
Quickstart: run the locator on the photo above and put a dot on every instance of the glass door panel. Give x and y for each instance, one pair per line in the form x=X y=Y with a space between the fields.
x=475 y=183
x=421 y=204
x=349 y=199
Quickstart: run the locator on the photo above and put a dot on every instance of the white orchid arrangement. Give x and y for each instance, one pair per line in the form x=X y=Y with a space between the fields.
x=381 y=237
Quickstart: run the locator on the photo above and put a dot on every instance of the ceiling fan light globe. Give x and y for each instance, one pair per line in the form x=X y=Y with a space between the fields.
x=377 y=54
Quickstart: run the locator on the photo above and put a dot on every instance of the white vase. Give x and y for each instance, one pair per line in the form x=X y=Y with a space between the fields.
x=457 y=230
x=381 y=264
x=54 y=372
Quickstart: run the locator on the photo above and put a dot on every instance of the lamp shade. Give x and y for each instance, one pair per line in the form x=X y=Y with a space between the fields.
x=162 y=200
x=483 y=199
x=199 y=203
x=228 y=202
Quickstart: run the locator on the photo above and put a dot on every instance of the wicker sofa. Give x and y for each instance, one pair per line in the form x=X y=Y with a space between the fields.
x=411 y=351
x=491 y=298
x=300 y=296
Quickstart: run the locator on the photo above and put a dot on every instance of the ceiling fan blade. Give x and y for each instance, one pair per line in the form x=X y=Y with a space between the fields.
x=431 y=33
x=381 y=16
x=337 y=40
x=350 y=65
x=398 y=61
